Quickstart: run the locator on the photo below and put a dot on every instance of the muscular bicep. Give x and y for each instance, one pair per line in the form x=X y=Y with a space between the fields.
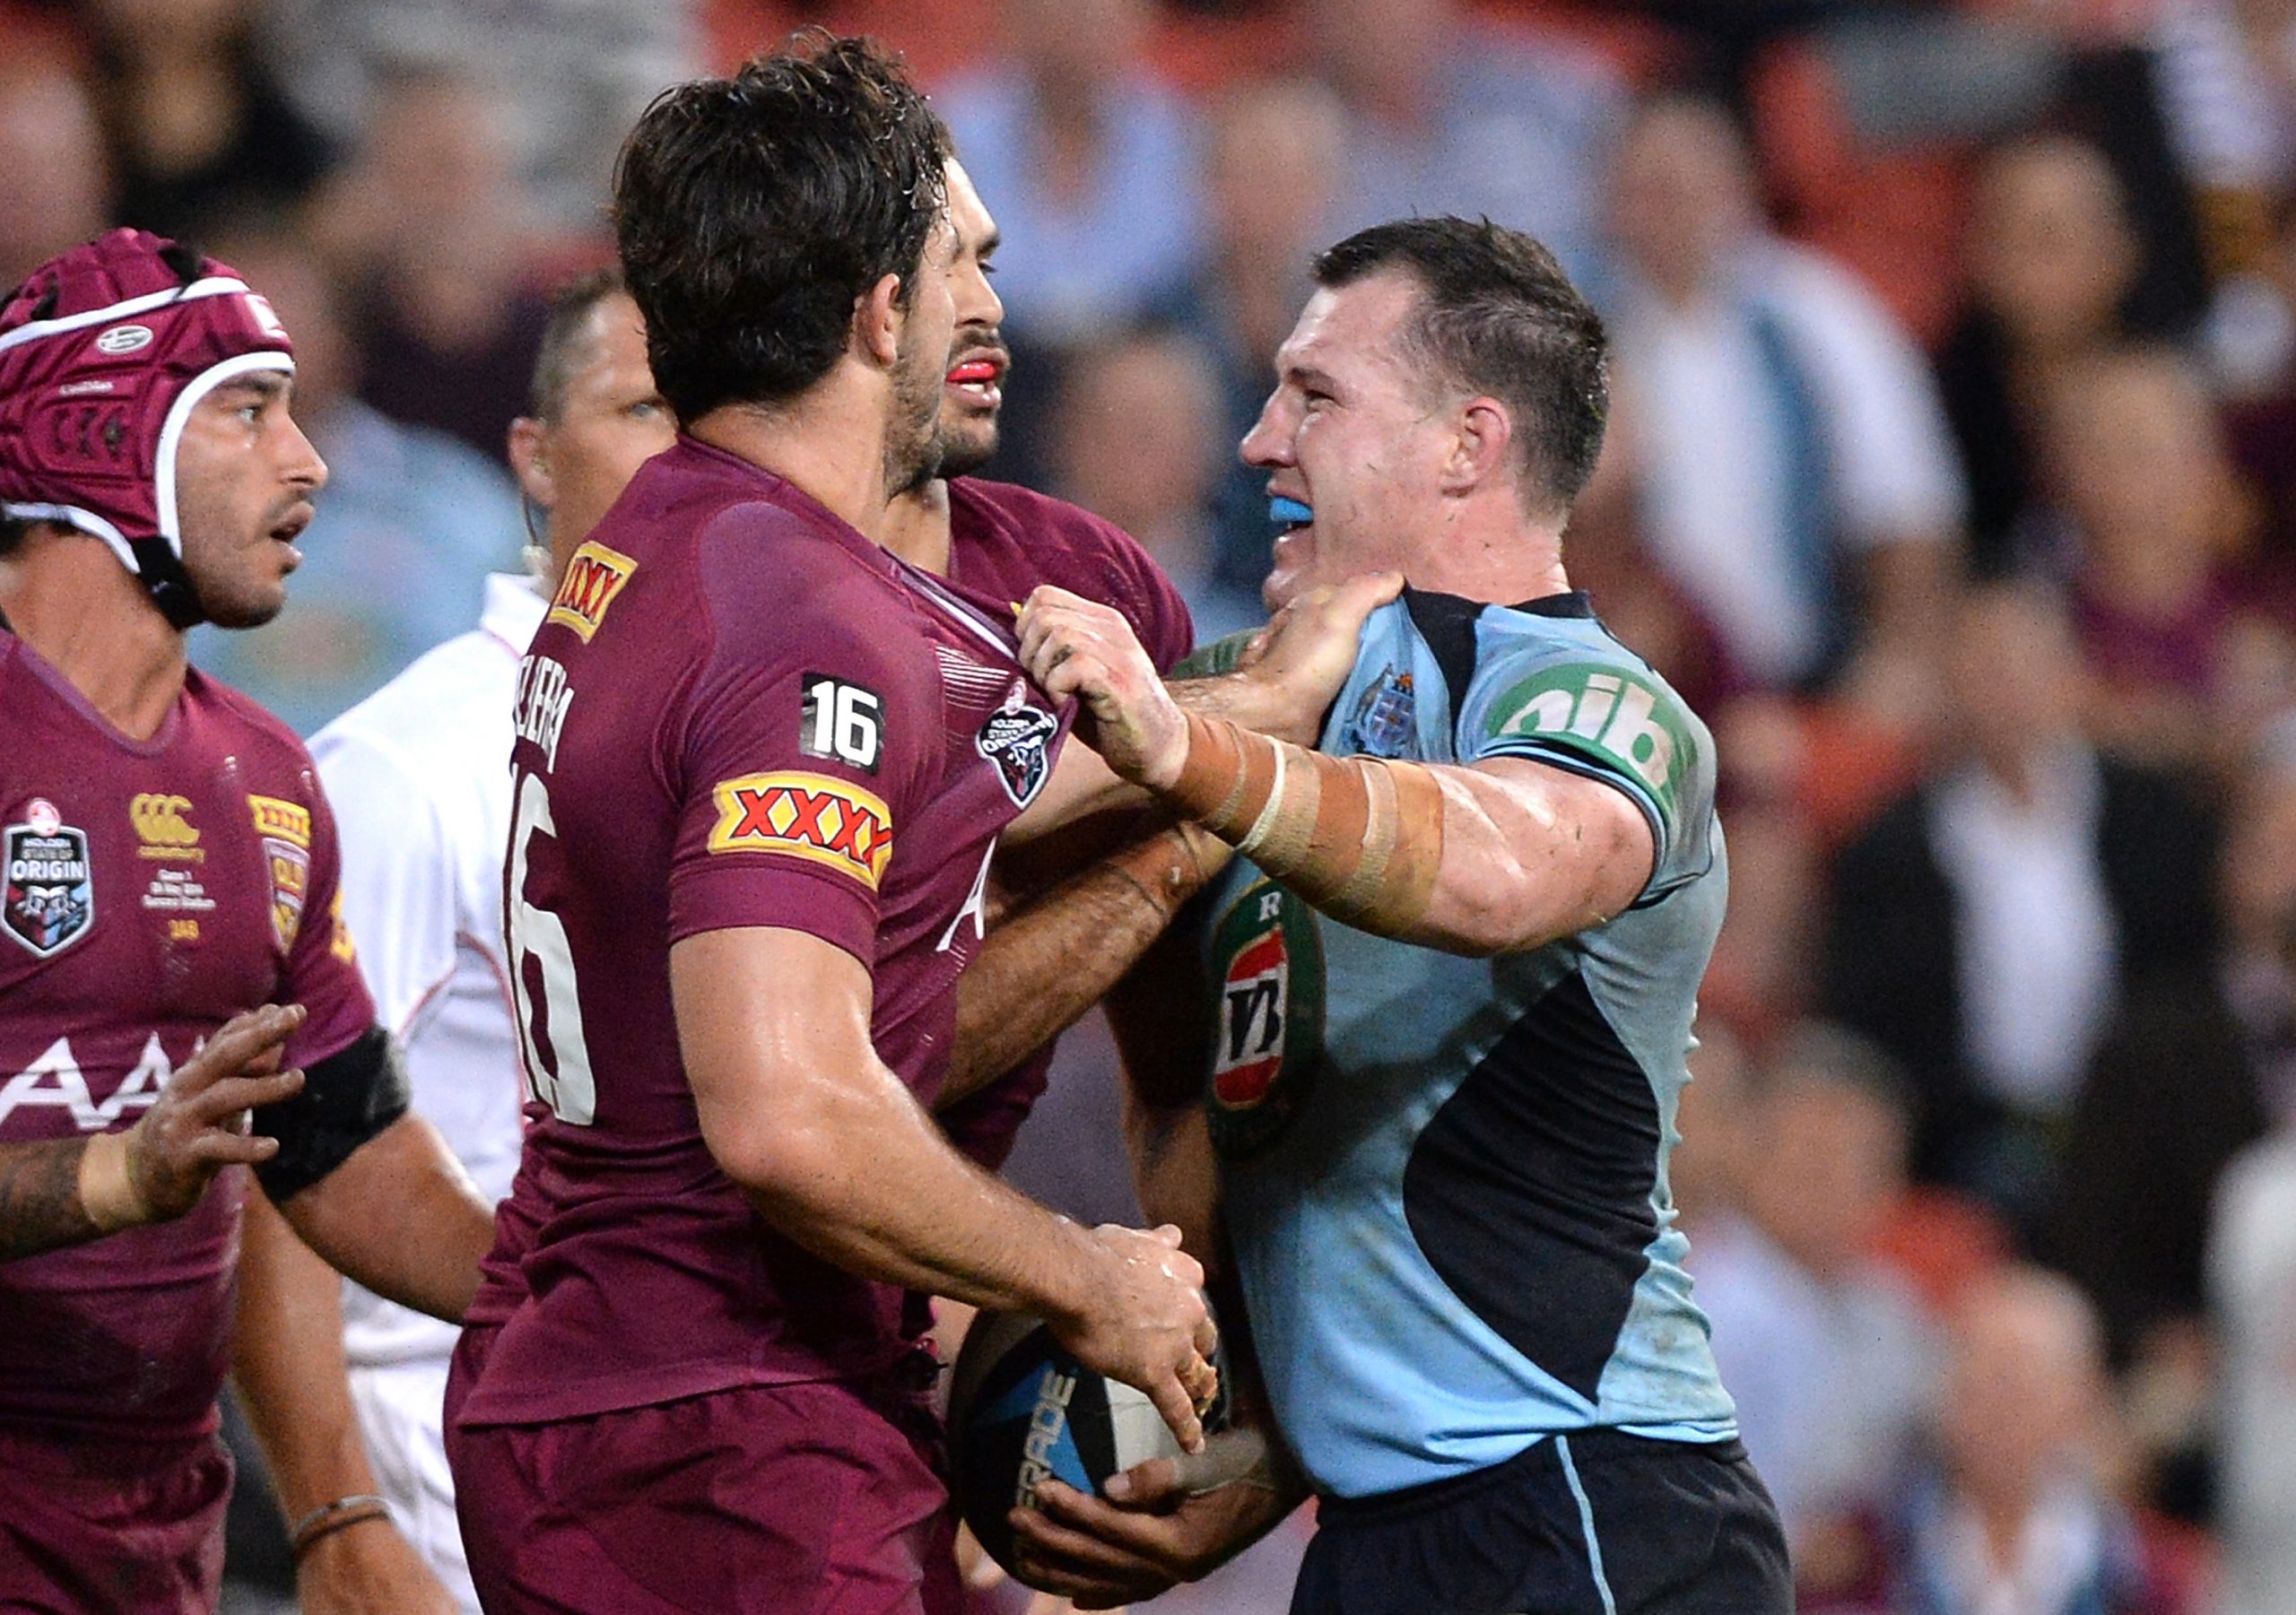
x=773 y=1026
x=1532 y=853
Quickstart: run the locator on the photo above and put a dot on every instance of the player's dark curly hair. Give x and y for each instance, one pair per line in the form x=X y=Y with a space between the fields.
x=750 y=213
x=1500 y=317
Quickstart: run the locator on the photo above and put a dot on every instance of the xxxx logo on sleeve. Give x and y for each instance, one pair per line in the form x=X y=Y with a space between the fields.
x=285 y=831
x=593 y=579
x=810 y=816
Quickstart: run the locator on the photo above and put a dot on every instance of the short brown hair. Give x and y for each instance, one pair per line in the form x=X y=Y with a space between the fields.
x=1497 y=316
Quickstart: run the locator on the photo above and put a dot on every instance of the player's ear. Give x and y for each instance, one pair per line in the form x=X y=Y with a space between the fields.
x=1482 y=434
x=876 y=322
x=530 y=462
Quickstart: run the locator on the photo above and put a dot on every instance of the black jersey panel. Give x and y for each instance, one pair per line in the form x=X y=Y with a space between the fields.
x=1530 y=1191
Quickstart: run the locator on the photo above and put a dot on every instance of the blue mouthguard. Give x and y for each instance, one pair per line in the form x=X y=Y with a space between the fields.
x=1287 y=513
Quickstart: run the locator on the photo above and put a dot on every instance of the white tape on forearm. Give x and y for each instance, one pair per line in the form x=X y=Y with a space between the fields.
x=108 y=1193
x=1269 y=812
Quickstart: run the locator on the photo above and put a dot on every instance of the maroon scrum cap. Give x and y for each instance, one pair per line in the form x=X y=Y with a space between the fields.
x=103 y=353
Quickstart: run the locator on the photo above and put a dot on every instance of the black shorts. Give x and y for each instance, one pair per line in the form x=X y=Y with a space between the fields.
x=1597 y=1523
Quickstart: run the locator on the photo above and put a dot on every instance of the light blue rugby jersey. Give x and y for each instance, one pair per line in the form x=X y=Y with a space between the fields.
x=1445 y=1179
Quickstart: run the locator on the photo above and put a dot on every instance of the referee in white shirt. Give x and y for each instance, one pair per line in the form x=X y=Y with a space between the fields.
x=417 y=776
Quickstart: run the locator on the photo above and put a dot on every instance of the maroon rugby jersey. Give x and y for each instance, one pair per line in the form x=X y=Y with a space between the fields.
x=739 y=712
x=154 y=888
x=1002 y=541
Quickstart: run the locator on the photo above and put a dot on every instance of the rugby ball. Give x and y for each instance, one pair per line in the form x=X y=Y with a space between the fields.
x=1022 y=1411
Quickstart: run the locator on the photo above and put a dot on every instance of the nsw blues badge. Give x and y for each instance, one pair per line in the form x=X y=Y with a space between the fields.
x=1385 y=716
x=1016 y=738
x=50 y=900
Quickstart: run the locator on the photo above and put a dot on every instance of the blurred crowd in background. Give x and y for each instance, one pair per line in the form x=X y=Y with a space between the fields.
x=1951 y=477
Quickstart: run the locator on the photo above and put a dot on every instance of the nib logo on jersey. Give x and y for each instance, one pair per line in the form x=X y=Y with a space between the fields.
x=1268 y=960
x=1015 y=738
x=51 y=896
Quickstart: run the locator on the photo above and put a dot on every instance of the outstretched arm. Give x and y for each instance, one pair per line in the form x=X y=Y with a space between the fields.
x=1279 y=684
x=1042 y=966
x=1502 y=855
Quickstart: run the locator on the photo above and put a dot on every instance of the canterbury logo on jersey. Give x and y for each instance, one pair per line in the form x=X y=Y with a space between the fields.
x=161 y=828
x=55 y=1081
x=593 y=579
x=808 y=816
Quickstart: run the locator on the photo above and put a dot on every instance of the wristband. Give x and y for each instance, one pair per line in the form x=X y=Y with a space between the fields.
x=108 y=1198
x=328 y=1518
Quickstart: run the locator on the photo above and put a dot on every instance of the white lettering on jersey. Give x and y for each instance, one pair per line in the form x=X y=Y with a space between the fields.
x=142 y=1087
x=1632 y=725
x=976 y=906
x=1614 y=713
x=542 y=702
x=54 y=1079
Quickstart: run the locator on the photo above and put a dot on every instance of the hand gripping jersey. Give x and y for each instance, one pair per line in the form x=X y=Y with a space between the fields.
x=422 y=802
x=154 y=888
x=738 y=712
x=1445 y=1179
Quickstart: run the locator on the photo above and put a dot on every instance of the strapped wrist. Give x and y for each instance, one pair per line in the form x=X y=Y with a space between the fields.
x=108 y=1196
x=1360 y=838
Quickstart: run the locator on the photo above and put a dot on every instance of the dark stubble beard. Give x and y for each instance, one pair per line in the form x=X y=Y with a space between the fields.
x=913 y=435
